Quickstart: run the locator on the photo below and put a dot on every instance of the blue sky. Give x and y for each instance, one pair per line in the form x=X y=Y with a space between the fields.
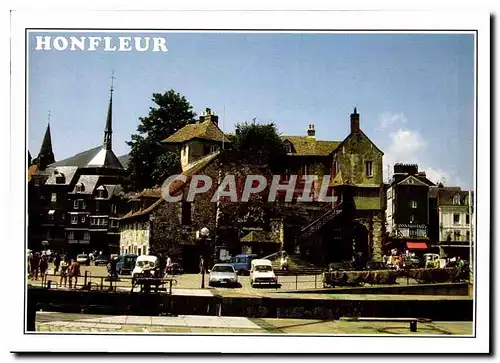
x=414 y=92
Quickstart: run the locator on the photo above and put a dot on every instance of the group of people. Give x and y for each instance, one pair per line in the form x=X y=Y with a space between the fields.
x=38 y=265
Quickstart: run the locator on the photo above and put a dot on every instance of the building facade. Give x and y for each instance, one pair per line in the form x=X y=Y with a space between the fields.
x=78 y=200
x=408 y=209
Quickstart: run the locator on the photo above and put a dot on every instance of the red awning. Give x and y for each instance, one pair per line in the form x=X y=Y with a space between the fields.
x=416 y=245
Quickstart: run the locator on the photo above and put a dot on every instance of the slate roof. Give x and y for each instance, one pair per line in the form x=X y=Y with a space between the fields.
x=89 y=182
x=99 y=156
x=305 y=145
x=124 y=159
x=205 y=130
x=445 y=195
x=67 y=171
x=113 y=189
x=105 y=158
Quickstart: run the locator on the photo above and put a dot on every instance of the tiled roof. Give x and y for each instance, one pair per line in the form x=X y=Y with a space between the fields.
x=305 y=145
x=124 y=159
x=205 y=130
x=176 y=186
x=32 y=170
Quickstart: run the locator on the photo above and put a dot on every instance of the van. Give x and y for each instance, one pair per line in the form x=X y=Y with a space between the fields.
x=241 y=263
x=261 y=272
x=125 y=263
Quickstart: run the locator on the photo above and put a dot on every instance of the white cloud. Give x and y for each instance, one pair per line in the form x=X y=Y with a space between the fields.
x=438 y=176
x=390 y=119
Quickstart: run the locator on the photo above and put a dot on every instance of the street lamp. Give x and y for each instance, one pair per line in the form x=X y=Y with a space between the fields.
x=203 y=235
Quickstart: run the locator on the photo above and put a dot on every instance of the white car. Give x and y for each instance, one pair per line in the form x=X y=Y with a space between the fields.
x=222 y=274
x=83 y=259
x=261 y=272
x=143 y=263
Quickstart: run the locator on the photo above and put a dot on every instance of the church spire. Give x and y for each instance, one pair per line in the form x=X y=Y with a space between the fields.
x=46 y=155
x=108 y=131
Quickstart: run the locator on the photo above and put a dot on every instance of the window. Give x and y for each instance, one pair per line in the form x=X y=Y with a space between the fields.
x=467 y=219
x=456 y=200
x=413 y=204
x=97 y=206
x=83 y=219
x=79 y=204
x=456 y=218
x=51 y=214
x=76 y=204
x=369 y=168
x=113 y=208
x=114 y=223
x=71 y=235
x=412 y=218
x=288 y=147
x=53 y=197
x=456 y=236
x=74 y=219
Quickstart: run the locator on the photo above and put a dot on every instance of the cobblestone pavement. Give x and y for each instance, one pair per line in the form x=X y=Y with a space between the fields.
x=48 y=322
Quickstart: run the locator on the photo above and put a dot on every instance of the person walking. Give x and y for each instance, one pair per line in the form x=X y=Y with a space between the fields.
x=44 y=265
x=64 y=272
x=202 y=265
x=284 y=262
x=57 y=263
x=73 y=272
x=35 y=264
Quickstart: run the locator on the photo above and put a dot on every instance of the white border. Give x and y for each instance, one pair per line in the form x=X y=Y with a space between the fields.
x=247 y=20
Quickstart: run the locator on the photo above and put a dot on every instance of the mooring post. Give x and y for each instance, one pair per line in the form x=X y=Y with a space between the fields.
x=413 y=326
x=85 y=279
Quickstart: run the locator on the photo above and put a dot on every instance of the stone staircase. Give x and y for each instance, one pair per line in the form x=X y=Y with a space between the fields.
x=296 y=266
x=314 y=226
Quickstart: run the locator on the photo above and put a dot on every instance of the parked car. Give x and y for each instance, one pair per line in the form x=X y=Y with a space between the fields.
x=101 y=260
x=148 y=263
x=223 y=274
x=242 y=263
x=261 y=272
x=174 y=269
x=125 y=263
x=83 y=259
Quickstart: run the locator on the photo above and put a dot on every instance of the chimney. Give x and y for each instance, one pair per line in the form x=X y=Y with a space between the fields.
x=311 y=132
x=355 y=122
x=209 y=115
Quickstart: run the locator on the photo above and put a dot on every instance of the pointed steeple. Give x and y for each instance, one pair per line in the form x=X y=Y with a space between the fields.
x=108 y=130
x=46 y=155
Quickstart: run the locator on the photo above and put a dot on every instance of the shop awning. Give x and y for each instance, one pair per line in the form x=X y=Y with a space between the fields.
x=416 y=245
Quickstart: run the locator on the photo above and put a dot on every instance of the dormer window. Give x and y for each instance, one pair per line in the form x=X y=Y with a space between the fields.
x=288 y=147
x=60 y=179
x=79 y=188
x=456 y=200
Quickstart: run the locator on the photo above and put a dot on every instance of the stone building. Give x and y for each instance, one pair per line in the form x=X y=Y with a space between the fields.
x=354 y=223
x=74 y=203
x=408 y=209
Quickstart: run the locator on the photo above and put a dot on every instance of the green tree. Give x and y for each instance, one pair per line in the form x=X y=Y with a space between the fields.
x=259 y=144
x=150 y=162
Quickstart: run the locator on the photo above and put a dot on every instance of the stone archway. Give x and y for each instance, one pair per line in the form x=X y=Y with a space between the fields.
x=361 y=240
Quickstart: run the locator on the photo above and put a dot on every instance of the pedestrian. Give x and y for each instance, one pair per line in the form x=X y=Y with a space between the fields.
x=64 y=272
x=44 y=265
x=57 y=263
x=202 y=265
x=284 y=262
x=169 y=265
x=73 y=272
x=35 y=264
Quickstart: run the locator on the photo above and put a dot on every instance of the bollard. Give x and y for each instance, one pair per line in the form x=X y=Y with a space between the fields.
x=85 y=279
x=413 y=326
x=296 y=281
